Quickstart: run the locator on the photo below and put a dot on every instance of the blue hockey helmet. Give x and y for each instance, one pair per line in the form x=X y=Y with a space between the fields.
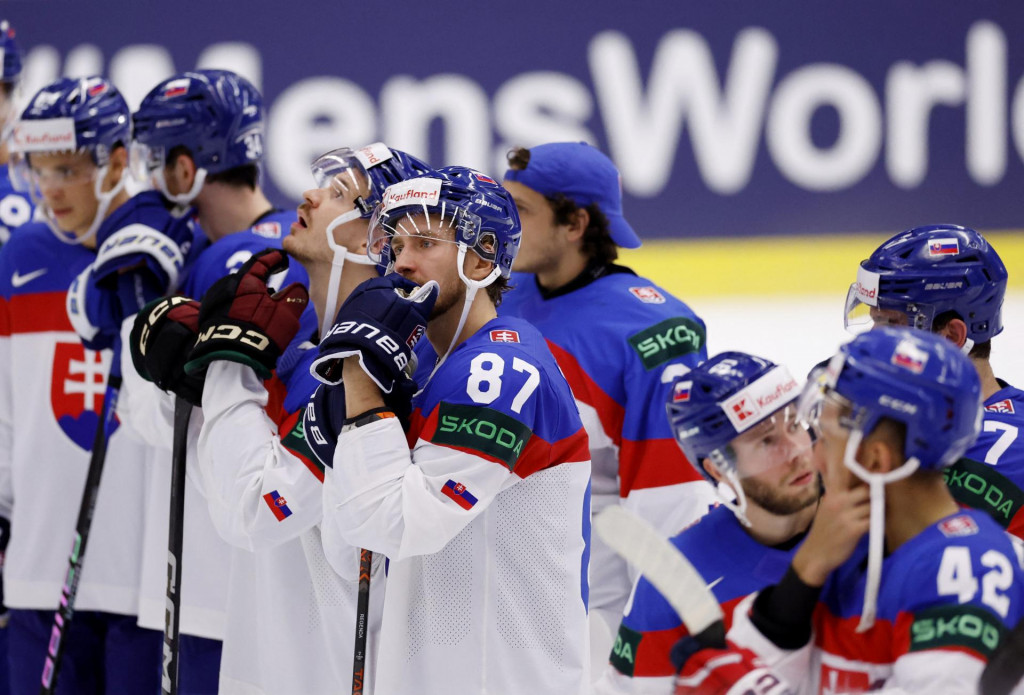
x=368 y=170
x=215 y=114
x=927 y=271
x=478 y=209
x=362 y=175
x=729 y=398
x=10 y=54
x=70 y=116
x=916 y=378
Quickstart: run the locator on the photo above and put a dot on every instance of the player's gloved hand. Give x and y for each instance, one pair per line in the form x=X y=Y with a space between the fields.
x=729 y=671
x=241 y=321
x=380 y=322
x=97 y=309
x=162 y=338
x=159 y=245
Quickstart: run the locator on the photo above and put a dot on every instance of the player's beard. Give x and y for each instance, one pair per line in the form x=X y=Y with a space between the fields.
x=772 y=500
x=452 y=294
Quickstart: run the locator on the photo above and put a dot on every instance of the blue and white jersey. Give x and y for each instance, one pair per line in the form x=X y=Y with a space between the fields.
x=990 y=476
x=16 y=208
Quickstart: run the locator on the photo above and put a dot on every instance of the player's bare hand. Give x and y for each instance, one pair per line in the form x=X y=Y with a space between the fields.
x=841 y=520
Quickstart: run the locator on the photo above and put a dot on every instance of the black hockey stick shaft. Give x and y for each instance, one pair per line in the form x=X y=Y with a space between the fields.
x=175 y=534
x=362 y=621
x=65 y=611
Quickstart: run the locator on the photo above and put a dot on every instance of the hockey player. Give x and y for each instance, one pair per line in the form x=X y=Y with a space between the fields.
x=483 y=512
x=15 y=207
x=895 y=407
x=198 y=138
x=949 y=280
x=262 y=481
x=71 y=154
x=618 y=338
x=762 y=463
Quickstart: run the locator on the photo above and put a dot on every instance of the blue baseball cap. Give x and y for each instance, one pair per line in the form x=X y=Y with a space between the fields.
x=583 y=174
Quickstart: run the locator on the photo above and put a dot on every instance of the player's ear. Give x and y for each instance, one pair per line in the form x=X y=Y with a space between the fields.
x=115 y=167
x=578 y=224
x=711 y=470
x=878 y=453
x=183 y=171
x=955 y=331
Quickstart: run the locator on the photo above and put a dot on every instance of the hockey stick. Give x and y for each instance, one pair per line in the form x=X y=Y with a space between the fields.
x=62 y=617
x=176 y=523
x=665 y=568
x=362 y=614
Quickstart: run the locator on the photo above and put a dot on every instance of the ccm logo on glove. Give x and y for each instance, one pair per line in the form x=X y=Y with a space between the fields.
x=232 y=332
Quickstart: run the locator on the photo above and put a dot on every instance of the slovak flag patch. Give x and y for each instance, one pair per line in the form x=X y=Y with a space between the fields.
x=681 y=391
x=278 y=505
x=176 y=88
x=943 y=247
x=480 y=177
x=1003 y=406
x=909 y=356
x=504 y=336
x=458 y=493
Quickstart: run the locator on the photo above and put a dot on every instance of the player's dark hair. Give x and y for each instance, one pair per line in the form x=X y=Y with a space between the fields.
x=598 y=246
x=497 y=289
x=245 y=176
x=981 y=351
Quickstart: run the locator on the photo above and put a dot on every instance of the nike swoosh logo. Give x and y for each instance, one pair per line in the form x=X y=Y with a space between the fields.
x=18 y=279
x=714 y=583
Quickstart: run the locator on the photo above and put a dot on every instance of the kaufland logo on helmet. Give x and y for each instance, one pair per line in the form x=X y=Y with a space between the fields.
x=766 y=395
x=46 y=135
x=781 y=391
x=867 y=286
x=426 y=191
x=372 y=155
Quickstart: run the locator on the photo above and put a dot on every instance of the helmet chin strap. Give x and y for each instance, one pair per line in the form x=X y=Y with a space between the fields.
x=737 y=506
x=180 y=200
x=472 y=286
x=967 y=346
x=101 y=211
x=341 y=254
x=876 y=528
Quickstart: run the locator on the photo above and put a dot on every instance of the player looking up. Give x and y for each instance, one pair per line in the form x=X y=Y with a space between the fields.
x=489 y=492
x=761 y=462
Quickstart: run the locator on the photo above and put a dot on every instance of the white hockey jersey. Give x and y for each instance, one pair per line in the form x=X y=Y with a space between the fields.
x=486 y=523
x=51 y=393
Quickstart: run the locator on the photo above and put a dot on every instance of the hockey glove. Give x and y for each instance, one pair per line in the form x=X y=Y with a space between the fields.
x=97 y=310
x=241 y=321
x=729 y=671
x=151 y=239
x=161 y=340
x=380 y=322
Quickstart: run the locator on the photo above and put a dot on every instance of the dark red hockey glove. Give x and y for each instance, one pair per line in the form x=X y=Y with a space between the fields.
x=730 y=671
x=161 y=339
x=241 y=321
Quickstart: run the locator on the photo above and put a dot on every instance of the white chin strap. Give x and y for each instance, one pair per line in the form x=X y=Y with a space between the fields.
x=472 y=286
x=101 y=211
x=876 y=528
x=181 y=200
x=739 y=505
x=341 y=254
x=967 y=346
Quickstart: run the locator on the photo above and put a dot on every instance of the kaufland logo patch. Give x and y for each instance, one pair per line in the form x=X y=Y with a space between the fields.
x=372 y=155
x=176 y=88
x=909 y=356
x=766 y=395
x=426 y=191
x=1003 y=406
x=648 y=295
x=867 y=286
x=47 y=135
x=742 y=410
x=681 y=391
x=943 y=247
x=504 y=336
